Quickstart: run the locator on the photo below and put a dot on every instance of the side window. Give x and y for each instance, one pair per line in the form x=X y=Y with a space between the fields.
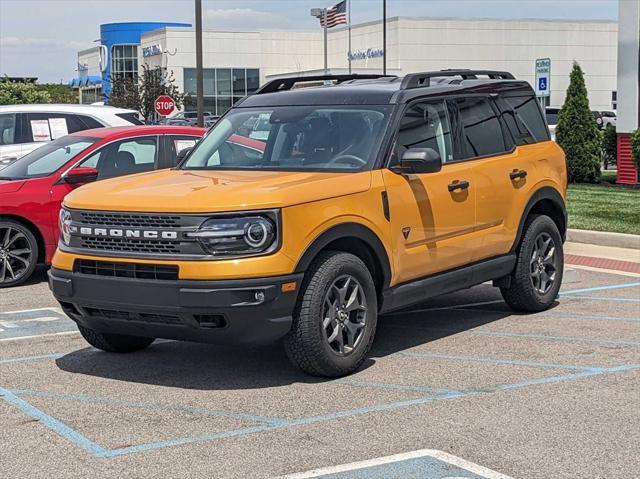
x=47 y=126
x=74 y=123
x=425 y=125
x=177 y=143
x=8 y=129
x=479 y=129
x=125 y=157
x=528 y=112
x=89 y=122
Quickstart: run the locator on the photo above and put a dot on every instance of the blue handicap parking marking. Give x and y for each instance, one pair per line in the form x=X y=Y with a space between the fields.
x=423 y=464
x=34 y=322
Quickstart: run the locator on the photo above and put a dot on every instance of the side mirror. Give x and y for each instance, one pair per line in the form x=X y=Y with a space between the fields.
x=81 y=175
x=419 y=160
x=182 y=154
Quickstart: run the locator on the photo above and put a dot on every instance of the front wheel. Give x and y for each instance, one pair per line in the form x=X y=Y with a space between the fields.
x=114 y=343
x=335 y=319
x=537 y=277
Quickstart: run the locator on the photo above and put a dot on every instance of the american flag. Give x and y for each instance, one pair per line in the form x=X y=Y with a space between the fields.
x=336 y=15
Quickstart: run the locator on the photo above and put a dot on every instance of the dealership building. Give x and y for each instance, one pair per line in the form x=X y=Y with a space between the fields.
x=235 y=63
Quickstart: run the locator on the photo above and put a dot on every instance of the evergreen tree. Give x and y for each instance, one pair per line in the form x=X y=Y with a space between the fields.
x=577 y=132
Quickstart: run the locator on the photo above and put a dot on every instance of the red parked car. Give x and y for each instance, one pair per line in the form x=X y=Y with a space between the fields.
x=33 y=187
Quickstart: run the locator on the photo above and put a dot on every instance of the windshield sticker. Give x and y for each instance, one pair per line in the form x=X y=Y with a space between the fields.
x=40 y=130
x=58 y=127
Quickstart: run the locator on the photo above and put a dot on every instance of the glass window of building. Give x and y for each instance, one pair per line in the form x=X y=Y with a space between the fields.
x=222 y=87
x=124 y=61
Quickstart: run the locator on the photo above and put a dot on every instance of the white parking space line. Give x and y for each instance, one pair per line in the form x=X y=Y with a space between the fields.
x=35 y=336
x=458 y=462
x=57 y=310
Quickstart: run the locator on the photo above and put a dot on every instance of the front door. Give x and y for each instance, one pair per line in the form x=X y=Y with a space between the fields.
x=432 y=215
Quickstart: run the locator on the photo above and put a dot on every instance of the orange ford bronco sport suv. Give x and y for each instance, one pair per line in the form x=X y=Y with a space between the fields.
x=305 y=213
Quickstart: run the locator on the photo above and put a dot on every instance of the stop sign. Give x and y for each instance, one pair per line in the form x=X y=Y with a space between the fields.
x=164 y=105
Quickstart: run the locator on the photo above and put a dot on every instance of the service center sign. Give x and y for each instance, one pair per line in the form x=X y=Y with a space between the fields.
x=164 y=105
x=543 y=77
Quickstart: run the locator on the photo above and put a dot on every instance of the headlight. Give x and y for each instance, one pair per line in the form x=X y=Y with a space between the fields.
x=239 y=236
x=65 y=226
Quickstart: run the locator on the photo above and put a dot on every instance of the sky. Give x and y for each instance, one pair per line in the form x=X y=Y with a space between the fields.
x=42 y=37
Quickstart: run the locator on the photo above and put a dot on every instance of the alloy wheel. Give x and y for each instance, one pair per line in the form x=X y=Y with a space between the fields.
x=543 y=263
x=344 y=315
x=16 y=254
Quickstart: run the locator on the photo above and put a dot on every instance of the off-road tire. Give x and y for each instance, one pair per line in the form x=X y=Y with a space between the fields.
x=521 y=295
x=114 y=343
x=305 y=345
x=32 y=245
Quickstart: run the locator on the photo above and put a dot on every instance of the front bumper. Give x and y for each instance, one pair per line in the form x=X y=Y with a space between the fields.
x=237 y=311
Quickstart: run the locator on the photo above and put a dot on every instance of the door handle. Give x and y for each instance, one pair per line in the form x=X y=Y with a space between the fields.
x=515 y=174
x=458 y=185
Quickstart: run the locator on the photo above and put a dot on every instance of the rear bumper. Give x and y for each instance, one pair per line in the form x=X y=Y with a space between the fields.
x=238 y=311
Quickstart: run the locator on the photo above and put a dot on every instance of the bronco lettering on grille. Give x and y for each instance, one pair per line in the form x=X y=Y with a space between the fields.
x=123 y=233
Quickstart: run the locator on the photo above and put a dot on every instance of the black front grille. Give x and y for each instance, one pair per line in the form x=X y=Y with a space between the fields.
x=131 y=220
x=132 y=316
x=126 y=270
x=130 y=245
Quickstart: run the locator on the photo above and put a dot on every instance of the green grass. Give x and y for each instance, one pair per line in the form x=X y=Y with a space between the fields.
x=604 y=208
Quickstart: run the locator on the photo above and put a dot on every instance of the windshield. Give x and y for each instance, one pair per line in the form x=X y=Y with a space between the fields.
x=293 y=138
x=47 y=159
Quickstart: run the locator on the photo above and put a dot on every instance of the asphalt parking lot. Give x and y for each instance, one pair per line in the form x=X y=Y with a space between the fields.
x=486 y=392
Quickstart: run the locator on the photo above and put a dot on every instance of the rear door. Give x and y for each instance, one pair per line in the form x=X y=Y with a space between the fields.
x=504 y=131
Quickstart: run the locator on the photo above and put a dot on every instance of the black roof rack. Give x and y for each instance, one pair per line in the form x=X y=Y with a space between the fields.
x=417 y=80
x=283 y=84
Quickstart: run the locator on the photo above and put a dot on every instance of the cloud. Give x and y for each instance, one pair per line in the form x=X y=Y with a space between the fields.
x=244 y=19
x=57 y=43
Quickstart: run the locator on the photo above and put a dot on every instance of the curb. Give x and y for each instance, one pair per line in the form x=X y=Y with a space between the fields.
x=602 y=238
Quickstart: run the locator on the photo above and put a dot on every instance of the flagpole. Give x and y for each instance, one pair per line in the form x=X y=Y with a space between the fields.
x=349 y=49
x=324 y=15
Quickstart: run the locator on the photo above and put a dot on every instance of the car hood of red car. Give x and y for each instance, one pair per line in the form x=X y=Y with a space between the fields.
x=11 y=186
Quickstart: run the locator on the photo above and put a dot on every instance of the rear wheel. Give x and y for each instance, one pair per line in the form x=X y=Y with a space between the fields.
x=18 y=253
x=335 y=319
x=537 y=278
x=114 y=343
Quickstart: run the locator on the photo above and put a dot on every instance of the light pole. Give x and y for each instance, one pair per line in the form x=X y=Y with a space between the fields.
x=384 y=37
x=199 y=73
x=322 y=12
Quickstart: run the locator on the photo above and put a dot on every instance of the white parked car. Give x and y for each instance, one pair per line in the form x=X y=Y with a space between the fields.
x=23 y=128
x=609 y=118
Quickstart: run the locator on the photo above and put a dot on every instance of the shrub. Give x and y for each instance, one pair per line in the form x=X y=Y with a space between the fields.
x=635 y=147
x=22 y=92
x=609 y=145
x=577 y=132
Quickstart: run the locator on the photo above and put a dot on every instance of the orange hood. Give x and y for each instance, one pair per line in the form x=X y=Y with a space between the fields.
x=197 y=191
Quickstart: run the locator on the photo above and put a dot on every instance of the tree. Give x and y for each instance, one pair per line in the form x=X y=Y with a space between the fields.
x=577 y=132
x=153 y=83
x=59 y=92
x=609 y=145
x=124 y=93
x=18 y=93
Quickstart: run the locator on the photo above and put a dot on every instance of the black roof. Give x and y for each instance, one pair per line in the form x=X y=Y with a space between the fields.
x=382 y=90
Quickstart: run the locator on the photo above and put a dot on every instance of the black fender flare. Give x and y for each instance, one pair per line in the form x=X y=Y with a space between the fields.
x=544 y=193
x=348 y=230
